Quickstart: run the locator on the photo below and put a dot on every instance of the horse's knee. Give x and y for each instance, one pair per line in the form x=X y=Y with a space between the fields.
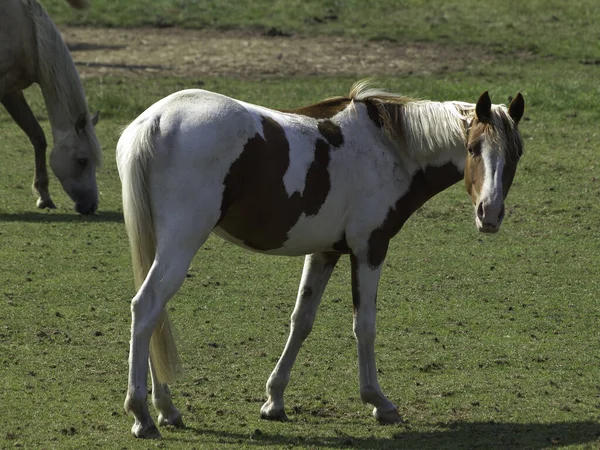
x=302 y=321
x=364 y=335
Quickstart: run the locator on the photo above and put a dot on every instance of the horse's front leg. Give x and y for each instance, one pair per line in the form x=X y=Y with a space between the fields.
x=364 y=295
x=17 y=107
x=315 y=275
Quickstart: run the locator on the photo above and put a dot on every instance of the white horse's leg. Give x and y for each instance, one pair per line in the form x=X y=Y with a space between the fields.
x=161 y=399
x=315 y=275
x=364 y=292
x=17 y=107
x=163 y=280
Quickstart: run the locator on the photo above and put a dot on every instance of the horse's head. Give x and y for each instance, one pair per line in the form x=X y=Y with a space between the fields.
x=74 y=159
x=494 y=147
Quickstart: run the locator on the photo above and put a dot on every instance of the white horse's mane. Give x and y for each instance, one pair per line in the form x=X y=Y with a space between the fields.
x=57 y=75
x=423 y=125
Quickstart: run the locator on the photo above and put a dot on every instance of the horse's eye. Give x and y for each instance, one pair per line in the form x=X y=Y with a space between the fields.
x=475 y=149
x=82 y=162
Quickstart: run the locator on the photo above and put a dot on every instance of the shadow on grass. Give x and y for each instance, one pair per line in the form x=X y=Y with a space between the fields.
x=453 y=435
x=50 y=217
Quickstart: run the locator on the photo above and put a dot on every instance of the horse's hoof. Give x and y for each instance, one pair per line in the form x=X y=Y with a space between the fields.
x=388 y=417
x=150 y=432
x=176 y=421
x=269 y=412
x=47 y=203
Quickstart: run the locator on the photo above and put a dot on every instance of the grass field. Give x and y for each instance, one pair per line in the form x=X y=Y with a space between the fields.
x=483 y=341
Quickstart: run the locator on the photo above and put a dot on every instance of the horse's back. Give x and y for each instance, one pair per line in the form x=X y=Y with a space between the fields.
x=263 y=177
x=190 y=126
x=18 y=55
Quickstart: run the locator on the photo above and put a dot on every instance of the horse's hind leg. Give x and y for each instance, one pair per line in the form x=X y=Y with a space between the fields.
x=164 y=279
x=317 y=270
x=17 y=107
x=161 y=399
x=178 y=238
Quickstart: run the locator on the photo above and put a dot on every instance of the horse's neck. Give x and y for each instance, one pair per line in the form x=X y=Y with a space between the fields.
x=454 y=154
x=61 y=87
x=436 y=135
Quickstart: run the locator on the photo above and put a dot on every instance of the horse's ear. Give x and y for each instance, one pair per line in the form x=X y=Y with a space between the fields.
x=95 y=118
x=517 y=108
x=483 y=109
x=81 y=122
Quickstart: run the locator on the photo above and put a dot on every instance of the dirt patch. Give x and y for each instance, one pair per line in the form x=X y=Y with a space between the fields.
x=251 y=55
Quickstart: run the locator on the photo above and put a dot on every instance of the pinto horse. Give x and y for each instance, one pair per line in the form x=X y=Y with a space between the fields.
x=338 y=177
x=32 y=51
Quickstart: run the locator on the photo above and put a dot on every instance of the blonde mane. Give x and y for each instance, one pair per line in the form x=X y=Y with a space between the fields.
x=57 y=75
x=422 y=125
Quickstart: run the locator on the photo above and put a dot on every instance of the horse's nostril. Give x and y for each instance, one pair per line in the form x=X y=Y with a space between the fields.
x=501 y=213
x=87 y=209
x=480 y=213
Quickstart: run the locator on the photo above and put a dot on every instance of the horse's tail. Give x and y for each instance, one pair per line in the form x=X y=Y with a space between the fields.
x=79 y=4
x=134 y=151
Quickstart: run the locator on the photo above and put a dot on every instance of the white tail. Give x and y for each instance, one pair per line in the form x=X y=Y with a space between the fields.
x=132 y=162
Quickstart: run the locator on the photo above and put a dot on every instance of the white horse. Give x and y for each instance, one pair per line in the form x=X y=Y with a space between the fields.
x=32 y=51
x=338 y=177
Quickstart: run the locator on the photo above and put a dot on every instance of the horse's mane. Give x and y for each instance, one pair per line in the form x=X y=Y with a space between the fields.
x=57 y=75
x=422 y=125
x=425 y=125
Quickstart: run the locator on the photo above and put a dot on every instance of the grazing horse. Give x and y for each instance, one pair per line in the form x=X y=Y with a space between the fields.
x=338 y=177
x=32 y=51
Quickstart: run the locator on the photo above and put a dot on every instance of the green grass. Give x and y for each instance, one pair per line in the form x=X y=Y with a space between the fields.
x=563 y=29
x=483 y=341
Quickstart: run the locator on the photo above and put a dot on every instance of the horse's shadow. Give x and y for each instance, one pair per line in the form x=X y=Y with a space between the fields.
x=447 y=436
x=52 y=217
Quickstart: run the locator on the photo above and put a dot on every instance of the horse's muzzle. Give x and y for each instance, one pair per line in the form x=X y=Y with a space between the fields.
x=487 y=219
x=488 y=228
x=86 y=209
x=86 y=205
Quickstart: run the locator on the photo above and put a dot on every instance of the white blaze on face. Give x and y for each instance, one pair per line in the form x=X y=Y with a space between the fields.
x=490 y=205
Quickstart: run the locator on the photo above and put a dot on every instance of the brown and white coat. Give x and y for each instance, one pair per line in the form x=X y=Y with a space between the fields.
x=339 y=177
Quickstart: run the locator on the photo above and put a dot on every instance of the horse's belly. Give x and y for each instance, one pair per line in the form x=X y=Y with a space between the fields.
x=282 y=232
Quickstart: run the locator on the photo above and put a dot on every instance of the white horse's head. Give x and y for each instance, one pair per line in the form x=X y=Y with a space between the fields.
x=74 y=159
x=494 y=147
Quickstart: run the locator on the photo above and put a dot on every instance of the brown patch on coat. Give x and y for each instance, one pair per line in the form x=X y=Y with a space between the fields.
x=318 y=183
x=508 y=175
x=424 y=185
x=331 y=132
x=514 y=151
x=255 y=207
x=322 y=110
x=341 y=245
x=374 y=113
x=474 y=169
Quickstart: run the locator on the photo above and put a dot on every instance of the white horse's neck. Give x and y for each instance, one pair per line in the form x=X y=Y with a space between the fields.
x=61 y=87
